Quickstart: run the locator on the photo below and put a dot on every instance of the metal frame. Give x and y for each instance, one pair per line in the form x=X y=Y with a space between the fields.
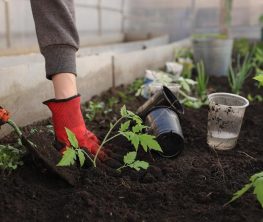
x=99 y=7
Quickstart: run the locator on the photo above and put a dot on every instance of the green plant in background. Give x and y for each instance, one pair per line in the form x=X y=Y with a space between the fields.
x=132 y=129
x=184 y=57
x=241 y=46
x=261 y=20
x=258 y=57
x=93 y=109
x=202 y=81
x=135 y=86
x=257 y=98
x=10 y=158
x=237 y=76
x=256 y=182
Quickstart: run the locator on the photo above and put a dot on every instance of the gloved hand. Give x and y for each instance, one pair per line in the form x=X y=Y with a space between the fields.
x=66 y=113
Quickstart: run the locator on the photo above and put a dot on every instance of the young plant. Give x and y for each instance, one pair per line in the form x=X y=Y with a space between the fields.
x=10 y=158
x=93 y=109
x=135 y=136
x=202 y=81
x=237 y=77
x=256 y=182
x=74 y=152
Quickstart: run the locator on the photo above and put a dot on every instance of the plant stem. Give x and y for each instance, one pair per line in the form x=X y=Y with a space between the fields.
x=186 y=96
x=105 y=140
x=112 y=138
x=15 y=127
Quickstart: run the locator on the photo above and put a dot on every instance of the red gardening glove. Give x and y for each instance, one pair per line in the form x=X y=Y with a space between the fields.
x=66 y=113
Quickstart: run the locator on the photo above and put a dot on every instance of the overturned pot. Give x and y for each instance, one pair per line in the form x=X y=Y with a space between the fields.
x=163 y=98
x=215 y=53
x=164 y=124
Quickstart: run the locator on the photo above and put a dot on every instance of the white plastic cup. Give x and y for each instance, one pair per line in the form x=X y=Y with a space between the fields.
x=225 y=116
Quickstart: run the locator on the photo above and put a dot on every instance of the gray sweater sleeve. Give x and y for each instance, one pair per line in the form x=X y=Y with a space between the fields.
x=57 y=34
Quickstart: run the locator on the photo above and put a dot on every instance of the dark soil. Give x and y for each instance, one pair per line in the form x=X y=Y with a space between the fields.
x=192 y=187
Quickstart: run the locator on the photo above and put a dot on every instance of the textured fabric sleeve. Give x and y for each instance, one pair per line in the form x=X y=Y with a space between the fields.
x=57 y=34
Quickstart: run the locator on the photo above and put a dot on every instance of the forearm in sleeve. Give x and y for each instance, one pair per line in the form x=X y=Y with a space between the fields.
x=57 y=34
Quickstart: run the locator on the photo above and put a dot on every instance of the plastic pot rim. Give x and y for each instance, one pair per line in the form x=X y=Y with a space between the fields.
x=177 y=106
x=213 y=95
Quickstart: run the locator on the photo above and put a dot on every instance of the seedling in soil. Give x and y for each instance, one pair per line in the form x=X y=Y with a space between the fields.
x=237 y=77
x=202 y=81
x=10 y=158
x=93 y=109
x=74 y=152
x=135 y=136
x=257 y=98
x=256 y=182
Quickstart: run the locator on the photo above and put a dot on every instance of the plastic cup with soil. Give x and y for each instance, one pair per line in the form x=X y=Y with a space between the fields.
x=164 y=124
x=225 y=116
x=163 y=98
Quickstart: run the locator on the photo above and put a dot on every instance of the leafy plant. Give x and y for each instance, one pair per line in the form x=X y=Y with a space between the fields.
x=202 y=81
x=259 y=78
x=73 y=153
x=135 y=86
x=256 y=182
x=241 y=46
x=93 y=109
x=136 y=136
x=10 y=158
x=258 y=58
x=237 y=76
x=261 y=20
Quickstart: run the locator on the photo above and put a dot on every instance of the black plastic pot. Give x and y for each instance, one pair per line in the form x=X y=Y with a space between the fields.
x=163 y=98
x=165 y=125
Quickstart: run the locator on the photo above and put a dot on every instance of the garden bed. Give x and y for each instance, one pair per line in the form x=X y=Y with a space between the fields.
x=192 y=187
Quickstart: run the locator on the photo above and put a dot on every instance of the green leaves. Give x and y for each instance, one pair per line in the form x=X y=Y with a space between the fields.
x=129 y=160
x=136 y=137
x=73 y=152
x=256 y=181
x=149 y=142
x=72 y=138
x=129 y=157
x=68 y=158
x=10 y=157
x=138 y=165
x=259 y=78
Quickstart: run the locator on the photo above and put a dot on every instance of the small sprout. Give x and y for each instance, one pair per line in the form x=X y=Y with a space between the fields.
x=202 y=81
x=237 y=77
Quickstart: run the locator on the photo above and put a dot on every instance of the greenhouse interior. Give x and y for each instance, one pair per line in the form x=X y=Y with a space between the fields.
x=131 y=110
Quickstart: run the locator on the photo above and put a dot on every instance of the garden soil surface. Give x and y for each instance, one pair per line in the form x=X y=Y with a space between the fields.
x=192 y=187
